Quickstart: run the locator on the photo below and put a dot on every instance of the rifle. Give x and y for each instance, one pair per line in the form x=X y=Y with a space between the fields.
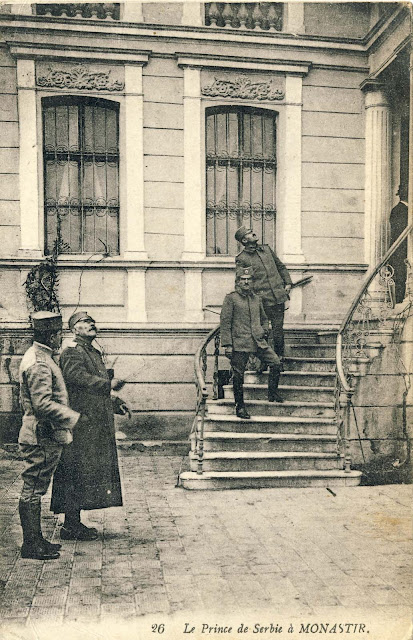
x=302 y=282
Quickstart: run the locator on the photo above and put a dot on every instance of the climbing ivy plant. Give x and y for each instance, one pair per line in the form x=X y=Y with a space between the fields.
x=42 y=282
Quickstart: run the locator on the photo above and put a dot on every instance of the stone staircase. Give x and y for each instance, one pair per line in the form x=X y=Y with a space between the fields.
x=293 y=444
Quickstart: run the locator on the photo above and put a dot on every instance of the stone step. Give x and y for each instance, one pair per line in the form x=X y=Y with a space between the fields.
x=309 y=350
x=309 y=364
x=223 y=441
x=265 y=408
x=266 y=424
x=294 y=378
x=265 y=461
x=269 y=479
x=289 y=392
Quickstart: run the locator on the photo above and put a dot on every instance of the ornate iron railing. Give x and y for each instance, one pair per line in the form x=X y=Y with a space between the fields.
x=92 y=10
x=245 y=15
x=357 y=338
x=200 y=370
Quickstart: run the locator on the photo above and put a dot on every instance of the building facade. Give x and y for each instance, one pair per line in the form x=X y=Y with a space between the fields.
x=144 y=134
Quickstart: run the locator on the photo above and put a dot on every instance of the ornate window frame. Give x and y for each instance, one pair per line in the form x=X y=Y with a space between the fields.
x=289 y=107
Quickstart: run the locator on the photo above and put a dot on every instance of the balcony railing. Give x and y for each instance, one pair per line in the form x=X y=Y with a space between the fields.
x=264 y=16
x=91 y=10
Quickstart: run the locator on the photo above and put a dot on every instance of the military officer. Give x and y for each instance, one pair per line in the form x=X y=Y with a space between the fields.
x=272 y=281
x=87 y=476
x=47 y=425
x=244 y=329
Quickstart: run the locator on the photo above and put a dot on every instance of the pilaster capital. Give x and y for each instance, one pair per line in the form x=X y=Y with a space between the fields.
x=374 y=93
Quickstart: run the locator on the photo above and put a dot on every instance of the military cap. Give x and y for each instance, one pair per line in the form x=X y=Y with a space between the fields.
x=46 y=321
x=244 y=271
x=241 y=232
x=76 y=317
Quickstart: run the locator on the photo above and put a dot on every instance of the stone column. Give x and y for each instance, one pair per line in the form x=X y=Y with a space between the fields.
x=378 y=167
x=194 y=210
x=193 y=295
x=134 y=187
x=289 y=226
x=28 y=162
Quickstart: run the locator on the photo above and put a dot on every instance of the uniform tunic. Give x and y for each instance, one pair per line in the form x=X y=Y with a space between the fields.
x=270 y=274
x=243 y=322
x=88 y=472
x=47 y=419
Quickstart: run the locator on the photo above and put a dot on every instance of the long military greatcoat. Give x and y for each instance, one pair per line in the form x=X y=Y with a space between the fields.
x=90 y=463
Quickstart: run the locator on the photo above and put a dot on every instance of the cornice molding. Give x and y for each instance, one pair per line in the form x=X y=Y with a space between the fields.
x=126 y=31
x=78 y=53
x=208 y=61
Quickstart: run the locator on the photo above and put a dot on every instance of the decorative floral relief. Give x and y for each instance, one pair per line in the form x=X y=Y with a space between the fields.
x=243 y=88
x=80 y=77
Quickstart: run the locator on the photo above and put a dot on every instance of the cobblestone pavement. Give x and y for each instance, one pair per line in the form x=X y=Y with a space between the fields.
x=171 y=556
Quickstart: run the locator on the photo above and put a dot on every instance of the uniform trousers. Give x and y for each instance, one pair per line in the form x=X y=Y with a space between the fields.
x=40 y=462
x=275 y=314
x=240 y=359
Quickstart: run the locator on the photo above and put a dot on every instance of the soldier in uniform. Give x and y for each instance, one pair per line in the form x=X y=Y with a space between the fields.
x=87 y=476
x=244 y=329
x=47 y=425
x=272 y=281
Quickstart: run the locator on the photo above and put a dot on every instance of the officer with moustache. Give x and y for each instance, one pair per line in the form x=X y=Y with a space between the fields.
x=244 y=330
x=272 y=281
x=87 y=476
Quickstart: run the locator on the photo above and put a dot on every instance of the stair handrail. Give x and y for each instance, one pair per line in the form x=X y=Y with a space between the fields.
x=363 y=289
x=344 y=388
x=200 y=369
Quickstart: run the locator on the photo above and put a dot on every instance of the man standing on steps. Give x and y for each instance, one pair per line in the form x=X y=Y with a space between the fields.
x=244 y=329
x=272 y=281
x=87 y=476
x=47 y=425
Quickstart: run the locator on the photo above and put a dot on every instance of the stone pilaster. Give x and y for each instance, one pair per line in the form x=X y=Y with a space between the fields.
x=28 y=163
x=134 y=246
x=193 y=295
x=194 y=211
x=192 y=14
x=378 y=171
x=289 y=225
x=136 y=299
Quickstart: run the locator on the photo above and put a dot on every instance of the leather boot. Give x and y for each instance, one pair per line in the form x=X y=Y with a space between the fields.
x=273 y=380
x=34 y=546
x=52 y=546
x=238 y=385
x=73 y=529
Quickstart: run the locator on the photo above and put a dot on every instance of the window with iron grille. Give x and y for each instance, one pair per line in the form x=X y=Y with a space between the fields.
x=81 y=174
x=241 y=168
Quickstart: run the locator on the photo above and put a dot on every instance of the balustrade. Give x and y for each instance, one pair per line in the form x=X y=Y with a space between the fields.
x=264 y=16
x=90 y=10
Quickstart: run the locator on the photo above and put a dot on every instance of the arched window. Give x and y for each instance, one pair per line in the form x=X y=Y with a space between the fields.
x=241 y=168
x=81 y=174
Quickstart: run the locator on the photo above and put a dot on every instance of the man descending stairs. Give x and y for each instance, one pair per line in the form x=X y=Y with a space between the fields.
x=244 y=331
x=289 y=444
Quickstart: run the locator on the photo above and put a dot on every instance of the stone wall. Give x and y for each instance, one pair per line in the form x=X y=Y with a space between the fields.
x=383 y=403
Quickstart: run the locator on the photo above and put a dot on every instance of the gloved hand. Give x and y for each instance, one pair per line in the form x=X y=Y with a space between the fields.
x=120 y=407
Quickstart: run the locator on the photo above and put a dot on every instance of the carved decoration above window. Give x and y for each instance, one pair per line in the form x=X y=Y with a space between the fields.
x=80 y=77
x=243 y=88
